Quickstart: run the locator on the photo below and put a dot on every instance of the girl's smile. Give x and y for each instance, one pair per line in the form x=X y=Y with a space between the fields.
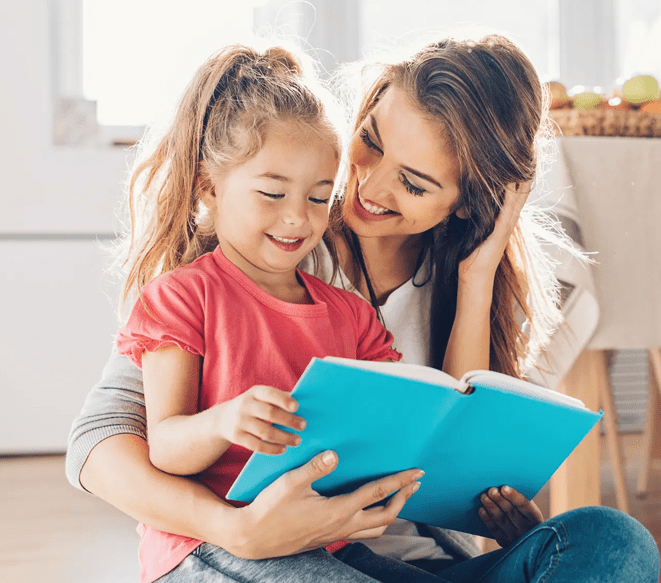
x=287 y=244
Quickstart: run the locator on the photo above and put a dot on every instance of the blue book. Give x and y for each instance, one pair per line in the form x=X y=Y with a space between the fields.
x=487 y=429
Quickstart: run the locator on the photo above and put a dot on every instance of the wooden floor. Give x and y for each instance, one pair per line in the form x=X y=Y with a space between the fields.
x=51 y=532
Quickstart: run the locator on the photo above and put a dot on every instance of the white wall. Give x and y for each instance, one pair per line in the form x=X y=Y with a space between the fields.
x=56 y=324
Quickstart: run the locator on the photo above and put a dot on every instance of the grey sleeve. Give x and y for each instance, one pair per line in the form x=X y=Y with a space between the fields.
x=115 y=405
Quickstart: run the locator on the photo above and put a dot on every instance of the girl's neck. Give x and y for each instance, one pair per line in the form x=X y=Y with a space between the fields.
x=390 y=262
x=286 y=286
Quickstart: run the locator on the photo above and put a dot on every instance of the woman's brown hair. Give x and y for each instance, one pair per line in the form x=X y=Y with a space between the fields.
x=489 y=103
x=222 y=119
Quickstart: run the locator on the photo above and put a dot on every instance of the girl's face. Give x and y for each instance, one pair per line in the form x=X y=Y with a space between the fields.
x=403 y=178
x=272 y=210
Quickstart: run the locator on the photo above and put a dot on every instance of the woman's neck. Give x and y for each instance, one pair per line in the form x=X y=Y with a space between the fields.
x=390 y=263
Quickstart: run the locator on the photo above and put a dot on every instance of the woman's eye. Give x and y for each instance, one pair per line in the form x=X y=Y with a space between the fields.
x=319 y=200
x=367 y=140
x=412 y=188
x=271 y=195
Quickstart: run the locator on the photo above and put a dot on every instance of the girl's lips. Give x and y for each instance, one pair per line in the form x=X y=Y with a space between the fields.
x=364 y=214
x=287 y=246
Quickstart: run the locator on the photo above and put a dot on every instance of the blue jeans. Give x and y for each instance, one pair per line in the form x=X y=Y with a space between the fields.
x=588 y=545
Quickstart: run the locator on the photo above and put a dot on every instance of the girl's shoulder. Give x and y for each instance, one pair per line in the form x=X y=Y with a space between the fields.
x=196 y=272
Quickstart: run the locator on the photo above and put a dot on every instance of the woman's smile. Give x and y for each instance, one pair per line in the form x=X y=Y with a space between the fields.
x=370 y=211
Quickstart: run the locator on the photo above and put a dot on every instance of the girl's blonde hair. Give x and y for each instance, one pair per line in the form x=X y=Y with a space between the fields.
x=488 y=101
x=222 y=120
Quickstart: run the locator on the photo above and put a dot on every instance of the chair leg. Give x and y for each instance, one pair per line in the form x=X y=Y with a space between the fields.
x=652 y=424
x=616 y=453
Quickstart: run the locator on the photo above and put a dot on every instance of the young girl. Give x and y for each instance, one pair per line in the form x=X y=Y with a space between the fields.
x=223 y=339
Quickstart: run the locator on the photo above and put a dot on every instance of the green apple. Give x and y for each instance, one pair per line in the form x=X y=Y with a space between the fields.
x=640 y=89
x=587 y=100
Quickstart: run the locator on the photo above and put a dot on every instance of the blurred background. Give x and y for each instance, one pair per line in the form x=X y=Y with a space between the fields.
x=81 y=79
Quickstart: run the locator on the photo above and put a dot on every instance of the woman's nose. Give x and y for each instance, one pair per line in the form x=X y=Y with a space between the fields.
x=372 y=182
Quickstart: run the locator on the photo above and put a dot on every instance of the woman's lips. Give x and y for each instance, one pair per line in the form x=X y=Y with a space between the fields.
x=286 y=244
x=366 y=215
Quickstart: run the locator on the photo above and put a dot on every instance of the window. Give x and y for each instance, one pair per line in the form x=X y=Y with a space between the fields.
x=533 y=25
x=138 y=55
x=639 y=46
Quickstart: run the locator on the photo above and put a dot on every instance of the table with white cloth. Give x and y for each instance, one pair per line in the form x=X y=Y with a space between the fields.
x=606 y=192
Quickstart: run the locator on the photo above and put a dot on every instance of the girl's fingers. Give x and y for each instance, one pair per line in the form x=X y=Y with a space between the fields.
x=255 y=444
x=274 y=414
x=274 y=396
x=266 y=432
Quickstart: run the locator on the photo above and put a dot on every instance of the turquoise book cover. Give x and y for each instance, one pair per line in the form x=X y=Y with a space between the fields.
x=485 y=430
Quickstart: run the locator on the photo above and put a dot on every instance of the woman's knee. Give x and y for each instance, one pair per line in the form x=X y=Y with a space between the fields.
x=612 y=538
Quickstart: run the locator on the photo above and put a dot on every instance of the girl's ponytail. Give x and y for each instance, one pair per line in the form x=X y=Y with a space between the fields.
x=221 y=121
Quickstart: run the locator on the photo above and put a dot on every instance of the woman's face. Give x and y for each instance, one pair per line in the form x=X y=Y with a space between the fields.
x=403 y=178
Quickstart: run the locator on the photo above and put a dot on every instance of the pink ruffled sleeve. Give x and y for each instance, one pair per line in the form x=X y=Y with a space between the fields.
x=168 y=314
x=374 y=341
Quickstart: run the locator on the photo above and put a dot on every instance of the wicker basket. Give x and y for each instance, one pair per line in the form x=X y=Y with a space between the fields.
x=606 y=122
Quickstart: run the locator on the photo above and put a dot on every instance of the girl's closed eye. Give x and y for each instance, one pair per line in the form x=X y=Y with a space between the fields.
x=271 y=195
x=411 y=188
x=319 y=200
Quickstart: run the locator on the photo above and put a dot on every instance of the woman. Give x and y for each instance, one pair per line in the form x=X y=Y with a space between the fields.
x=444 y=149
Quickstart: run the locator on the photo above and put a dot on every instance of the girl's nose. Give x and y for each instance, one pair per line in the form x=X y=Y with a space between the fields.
x=295 y=213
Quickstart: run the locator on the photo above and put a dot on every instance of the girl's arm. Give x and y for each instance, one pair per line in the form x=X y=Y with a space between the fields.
x=184 y=441
x=468 y=345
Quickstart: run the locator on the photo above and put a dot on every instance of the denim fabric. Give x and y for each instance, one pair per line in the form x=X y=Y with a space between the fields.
x=208 y=564
x=588 y=545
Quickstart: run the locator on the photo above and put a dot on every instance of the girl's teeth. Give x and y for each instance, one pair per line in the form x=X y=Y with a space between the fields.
x=283 y=240
x=371 y=208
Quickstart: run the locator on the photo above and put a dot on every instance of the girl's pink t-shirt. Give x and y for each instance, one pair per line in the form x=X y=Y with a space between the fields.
x=246 y=337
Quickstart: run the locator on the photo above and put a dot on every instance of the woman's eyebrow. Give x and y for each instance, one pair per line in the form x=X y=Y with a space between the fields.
x=417 y=173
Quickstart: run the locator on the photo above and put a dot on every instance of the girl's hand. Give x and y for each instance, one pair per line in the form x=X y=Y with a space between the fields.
x=247 y=420
x=481 y=264
x=289 y=517
x=508 y=514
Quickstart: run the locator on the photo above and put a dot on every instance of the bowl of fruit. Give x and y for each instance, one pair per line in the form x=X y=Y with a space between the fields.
x=634 y=109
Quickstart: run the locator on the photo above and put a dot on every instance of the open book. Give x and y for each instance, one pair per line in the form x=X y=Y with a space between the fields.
x=485 y=430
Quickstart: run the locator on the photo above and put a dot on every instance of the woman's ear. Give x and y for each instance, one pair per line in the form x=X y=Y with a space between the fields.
x=462 y=213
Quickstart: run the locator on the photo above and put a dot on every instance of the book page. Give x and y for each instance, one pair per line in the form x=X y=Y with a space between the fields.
x=416 y=372
x=508 y=383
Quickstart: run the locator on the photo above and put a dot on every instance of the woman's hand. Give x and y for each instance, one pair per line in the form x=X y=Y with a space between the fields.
x=248 y=419
x=481 y=264
x=289 y=517
x=508 y=514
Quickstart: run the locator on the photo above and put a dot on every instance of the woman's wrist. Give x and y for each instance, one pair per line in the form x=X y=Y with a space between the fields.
x=475 y=292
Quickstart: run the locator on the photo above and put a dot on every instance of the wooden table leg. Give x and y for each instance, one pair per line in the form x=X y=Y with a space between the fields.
x=577 y=482
x=616 y=454
x=651 y=434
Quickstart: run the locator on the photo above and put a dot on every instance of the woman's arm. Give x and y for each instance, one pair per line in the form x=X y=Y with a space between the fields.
x=468 y=345
x=109 y=457
x=288 y=517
